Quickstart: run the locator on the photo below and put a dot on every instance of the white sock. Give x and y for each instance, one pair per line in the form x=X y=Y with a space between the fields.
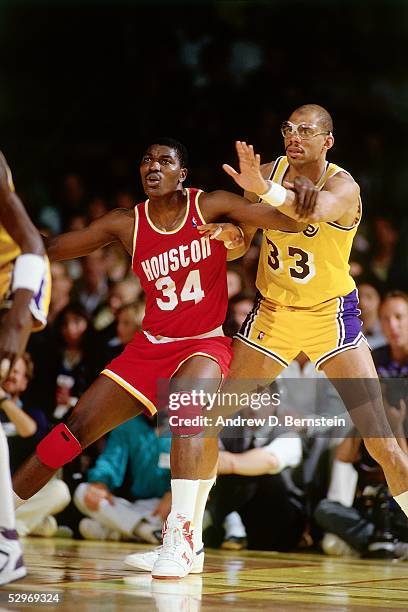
x=204 y=489
x=402 y=500
x=343 y=483
x=183 y=498
x=234 y=526
x=7 y=519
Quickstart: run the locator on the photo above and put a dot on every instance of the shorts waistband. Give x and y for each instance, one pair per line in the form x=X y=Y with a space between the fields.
x=163 y=339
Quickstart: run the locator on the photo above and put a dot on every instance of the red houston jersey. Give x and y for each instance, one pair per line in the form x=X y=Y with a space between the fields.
x=182 y=273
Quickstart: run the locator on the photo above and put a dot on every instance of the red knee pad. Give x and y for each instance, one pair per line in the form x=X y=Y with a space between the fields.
x=58 y=447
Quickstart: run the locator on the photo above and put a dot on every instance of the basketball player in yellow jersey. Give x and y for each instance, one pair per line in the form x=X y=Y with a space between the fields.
x=307 y=299
x=25 y=295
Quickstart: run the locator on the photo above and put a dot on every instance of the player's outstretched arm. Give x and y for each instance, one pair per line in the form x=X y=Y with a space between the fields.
x=338 y=201
x=109 y=228
x=300 y=200
x=27 y=275
x=221 y=205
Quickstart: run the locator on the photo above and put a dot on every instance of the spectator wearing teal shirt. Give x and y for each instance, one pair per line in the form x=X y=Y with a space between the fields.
x=136 y=450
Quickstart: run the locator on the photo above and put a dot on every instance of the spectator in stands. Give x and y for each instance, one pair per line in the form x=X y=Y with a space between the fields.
x=71 y=358
x=238 y=308
x=138 y=511
x=92 y=289
x=391 y=361
x=97 y=207
x=124 y=199
x=384 y=247
x=24 y=428
x=234 y=282
x=126 y=291
x=358 y=515
x=117 y=263
x=72 y=196
x=254 y=482
x=369 y=298
x=61 y=288
x=341 y=514
x=128 y=321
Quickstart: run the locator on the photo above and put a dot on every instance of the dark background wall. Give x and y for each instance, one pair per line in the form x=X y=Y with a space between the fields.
x=83 y=86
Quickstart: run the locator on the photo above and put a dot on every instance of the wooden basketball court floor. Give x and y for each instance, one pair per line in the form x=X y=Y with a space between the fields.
x=91 y=576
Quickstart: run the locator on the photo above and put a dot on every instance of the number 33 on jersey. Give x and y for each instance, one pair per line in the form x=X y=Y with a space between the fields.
x=303 y=269
x=182 y=273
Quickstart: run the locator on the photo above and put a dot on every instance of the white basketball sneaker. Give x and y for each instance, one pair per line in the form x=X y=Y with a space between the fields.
x=11 y=557
x=144 y=561
x=176 y=556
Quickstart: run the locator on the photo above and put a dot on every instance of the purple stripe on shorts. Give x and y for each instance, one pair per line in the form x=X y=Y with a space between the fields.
x=349 y=314
x=340 y=323
x=37 y=297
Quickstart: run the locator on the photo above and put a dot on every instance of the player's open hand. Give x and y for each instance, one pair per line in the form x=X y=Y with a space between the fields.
x=306 y=196
x=227 y=232
x=249 y=176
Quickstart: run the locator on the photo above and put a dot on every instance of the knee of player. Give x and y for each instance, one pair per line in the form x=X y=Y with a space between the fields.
x=58 y=448
x=186 y=421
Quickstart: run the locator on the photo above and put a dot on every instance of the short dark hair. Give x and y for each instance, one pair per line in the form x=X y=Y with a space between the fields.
x=179 y=148
x=395 y=294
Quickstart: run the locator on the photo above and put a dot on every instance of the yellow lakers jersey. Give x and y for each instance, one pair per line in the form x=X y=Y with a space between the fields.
x=9 y=249
x=303 y=269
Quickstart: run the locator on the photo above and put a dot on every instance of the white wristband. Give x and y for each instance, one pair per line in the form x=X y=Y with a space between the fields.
x=275 y=196
x=28 y=272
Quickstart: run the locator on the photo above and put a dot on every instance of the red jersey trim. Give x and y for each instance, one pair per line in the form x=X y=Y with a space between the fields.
x=156 y=229
x=135 y=229
x=199 y=213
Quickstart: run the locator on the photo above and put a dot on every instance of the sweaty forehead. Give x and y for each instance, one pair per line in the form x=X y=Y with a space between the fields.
x=161 y=151
x=304 y=117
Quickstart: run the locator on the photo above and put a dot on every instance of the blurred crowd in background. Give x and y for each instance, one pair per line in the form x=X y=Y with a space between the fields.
x=74 y=137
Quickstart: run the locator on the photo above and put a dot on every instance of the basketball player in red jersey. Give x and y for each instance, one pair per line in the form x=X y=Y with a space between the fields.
x=184 y=277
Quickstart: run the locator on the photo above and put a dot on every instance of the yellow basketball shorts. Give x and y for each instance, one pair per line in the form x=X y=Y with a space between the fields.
x=321 y=331
x=40 y=302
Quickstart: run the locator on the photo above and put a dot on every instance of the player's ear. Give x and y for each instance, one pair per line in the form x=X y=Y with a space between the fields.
x=329 y=142
x=183 y=175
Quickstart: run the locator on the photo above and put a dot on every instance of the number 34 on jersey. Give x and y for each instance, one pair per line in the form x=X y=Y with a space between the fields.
x=191 y=290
